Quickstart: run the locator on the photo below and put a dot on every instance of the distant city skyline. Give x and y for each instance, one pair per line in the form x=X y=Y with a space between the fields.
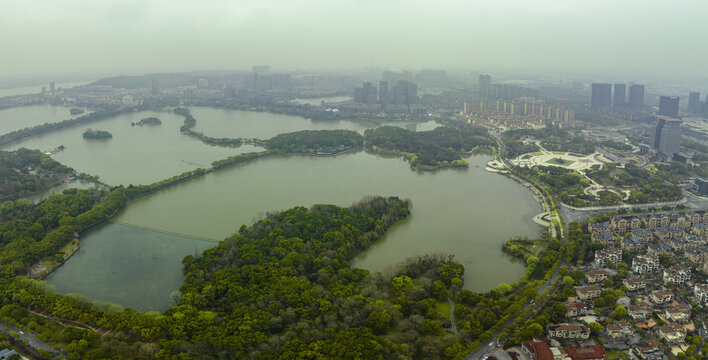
x=136 y=37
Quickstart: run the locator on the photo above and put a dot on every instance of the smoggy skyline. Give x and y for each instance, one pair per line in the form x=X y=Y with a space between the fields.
x=610 y=38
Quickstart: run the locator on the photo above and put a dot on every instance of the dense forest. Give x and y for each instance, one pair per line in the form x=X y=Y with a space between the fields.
x=314 y=141
x=439 y=147
x=25 y=171
x=283 y=288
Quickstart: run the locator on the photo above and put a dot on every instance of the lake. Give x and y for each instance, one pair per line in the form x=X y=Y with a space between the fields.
x=18 y=118
x=136 y=261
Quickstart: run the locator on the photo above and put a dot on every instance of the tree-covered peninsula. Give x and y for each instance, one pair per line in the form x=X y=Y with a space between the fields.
x=24 y=171
x=326 y=142
x=440 y=147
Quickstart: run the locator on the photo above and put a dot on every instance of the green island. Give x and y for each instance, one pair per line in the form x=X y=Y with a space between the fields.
x=148 y=121
x=96 y=134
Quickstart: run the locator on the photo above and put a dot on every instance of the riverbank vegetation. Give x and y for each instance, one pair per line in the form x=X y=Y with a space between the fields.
x=437 y=148
x=24 y=171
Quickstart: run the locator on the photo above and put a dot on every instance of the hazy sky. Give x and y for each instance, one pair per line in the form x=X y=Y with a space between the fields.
x=663 y=38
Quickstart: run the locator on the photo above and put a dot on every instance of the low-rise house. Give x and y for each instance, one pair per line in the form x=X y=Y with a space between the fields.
x=639 y=311
x=568 y=331
x=693 y=242
x=632 y=243
x=661 y=296
x=588 y=292
x=700 y=230
x=635 y=283
x=622 y=224
x=697 y=217
x=700 y=292
x=658 y=248
x=594 y=352
x=672 y=333
x=680 y=221
x=677 y=274
x=620 y=330
x=576 y=309
x=651 y=350
x=696 y=256
x=599 y=227
x=598 y=275
x=605 y=238
x=677 y=315
x=643 y=234
x=655 y=221
x=607 y=256
x=678 y=244
x=663 y=233
x=643 y=264
x=536 y=350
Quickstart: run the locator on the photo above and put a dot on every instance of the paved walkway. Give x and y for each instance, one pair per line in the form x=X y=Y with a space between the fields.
x=32 y=341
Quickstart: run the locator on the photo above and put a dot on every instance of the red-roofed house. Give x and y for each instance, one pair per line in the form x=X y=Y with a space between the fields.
x=586 y=352
x=537 y=350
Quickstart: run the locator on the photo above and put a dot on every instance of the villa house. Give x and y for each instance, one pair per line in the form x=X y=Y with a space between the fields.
x=696 y=256
x=568 y=331
x=661 y=296
x=635 y=283
x=588 y=292
x=639 y=311
x=633 y=243
x=622 y=224
x=605 y=238
x=536 y=350
x=700 y=292
x=598 y=228
x=620 y=330
x=677 y=274
x=598 y=275
x=643 y=234
x=656 y=221
x=672 y=333
x=651 y=350
x=576 y=309
x=677 y=315
x=595 y=352
x=605 y=256
x=643 y=264
x=658 y=248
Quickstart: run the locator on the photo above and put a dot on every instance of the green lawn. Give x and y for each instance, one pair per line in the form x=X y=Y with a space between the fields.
x=444 y=308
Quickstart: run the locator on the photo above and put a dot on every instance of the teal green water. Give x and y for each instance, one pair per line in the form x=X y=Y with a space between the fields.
x=469 y=213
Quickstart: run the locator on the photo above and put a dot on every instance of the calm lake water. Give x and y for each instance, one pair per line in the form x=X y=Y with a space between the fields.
x=135 y=154
x=250 y=124
x=469 y=213
x=18 y=118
